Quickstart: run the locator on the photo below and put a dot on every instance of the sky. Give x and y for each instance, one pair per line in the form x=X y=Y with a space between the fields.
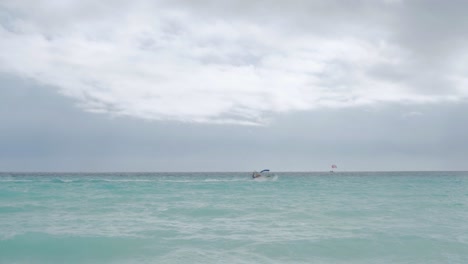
x=233 y=85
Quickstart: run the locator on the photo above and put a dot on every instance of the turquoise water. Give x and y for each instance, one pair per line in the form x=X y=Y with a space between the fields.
x=371 y=217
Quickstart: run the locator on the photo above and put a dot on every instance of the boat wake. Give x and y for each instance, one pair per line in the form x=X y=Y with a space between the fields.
x=266 y=178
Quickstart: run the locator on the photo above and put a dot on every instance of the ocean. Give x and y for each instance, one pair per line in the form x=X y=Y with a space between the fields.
x=301 y=217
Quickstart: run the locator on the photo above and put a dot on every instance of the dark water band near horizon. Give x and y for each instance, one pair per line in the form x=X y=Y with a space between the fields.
x=228 y=217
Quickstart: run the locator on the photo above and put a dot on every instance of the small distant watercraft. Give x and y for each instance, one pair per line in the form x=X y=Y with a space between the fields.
x=263 y=173
x=333 y=167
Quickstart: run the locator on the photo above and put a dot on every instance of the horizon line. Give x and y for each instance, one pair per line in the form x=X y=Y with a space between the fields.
x=279 y=171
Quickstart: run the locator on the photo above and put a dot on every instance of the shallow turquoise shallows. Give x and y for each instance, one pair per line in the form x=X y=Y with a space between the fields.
x=359 y=217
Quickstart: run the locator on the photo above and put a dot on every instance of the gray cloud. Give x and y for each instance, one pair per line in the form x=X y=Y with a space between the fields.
x=42 y=131
x=240 y=62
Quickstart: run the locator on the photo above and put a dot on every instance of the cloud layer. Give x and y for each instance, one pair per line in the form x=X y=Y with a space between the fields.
x=237 y=62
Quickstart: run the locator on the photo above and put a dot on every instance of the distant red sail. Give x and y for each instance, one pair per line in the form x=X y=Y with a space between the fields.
x=334 y=166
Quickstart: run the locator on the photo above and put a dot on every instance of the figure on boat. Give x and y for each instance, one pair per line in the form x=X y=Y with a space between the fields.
x=263 y=173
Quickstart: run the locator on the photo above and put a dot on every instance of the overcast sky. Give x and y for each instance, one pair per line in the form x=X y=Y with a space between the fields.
x=233 y=85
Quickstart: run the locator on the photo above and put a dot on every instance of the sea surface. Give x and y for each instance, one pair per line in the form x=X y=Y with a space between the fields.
x=309 y=217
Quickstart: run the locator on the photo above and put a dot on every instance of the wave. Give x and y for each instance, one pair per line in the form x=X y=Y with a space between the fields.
x=132 y=180
x=14 y=180
x=227 y=180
